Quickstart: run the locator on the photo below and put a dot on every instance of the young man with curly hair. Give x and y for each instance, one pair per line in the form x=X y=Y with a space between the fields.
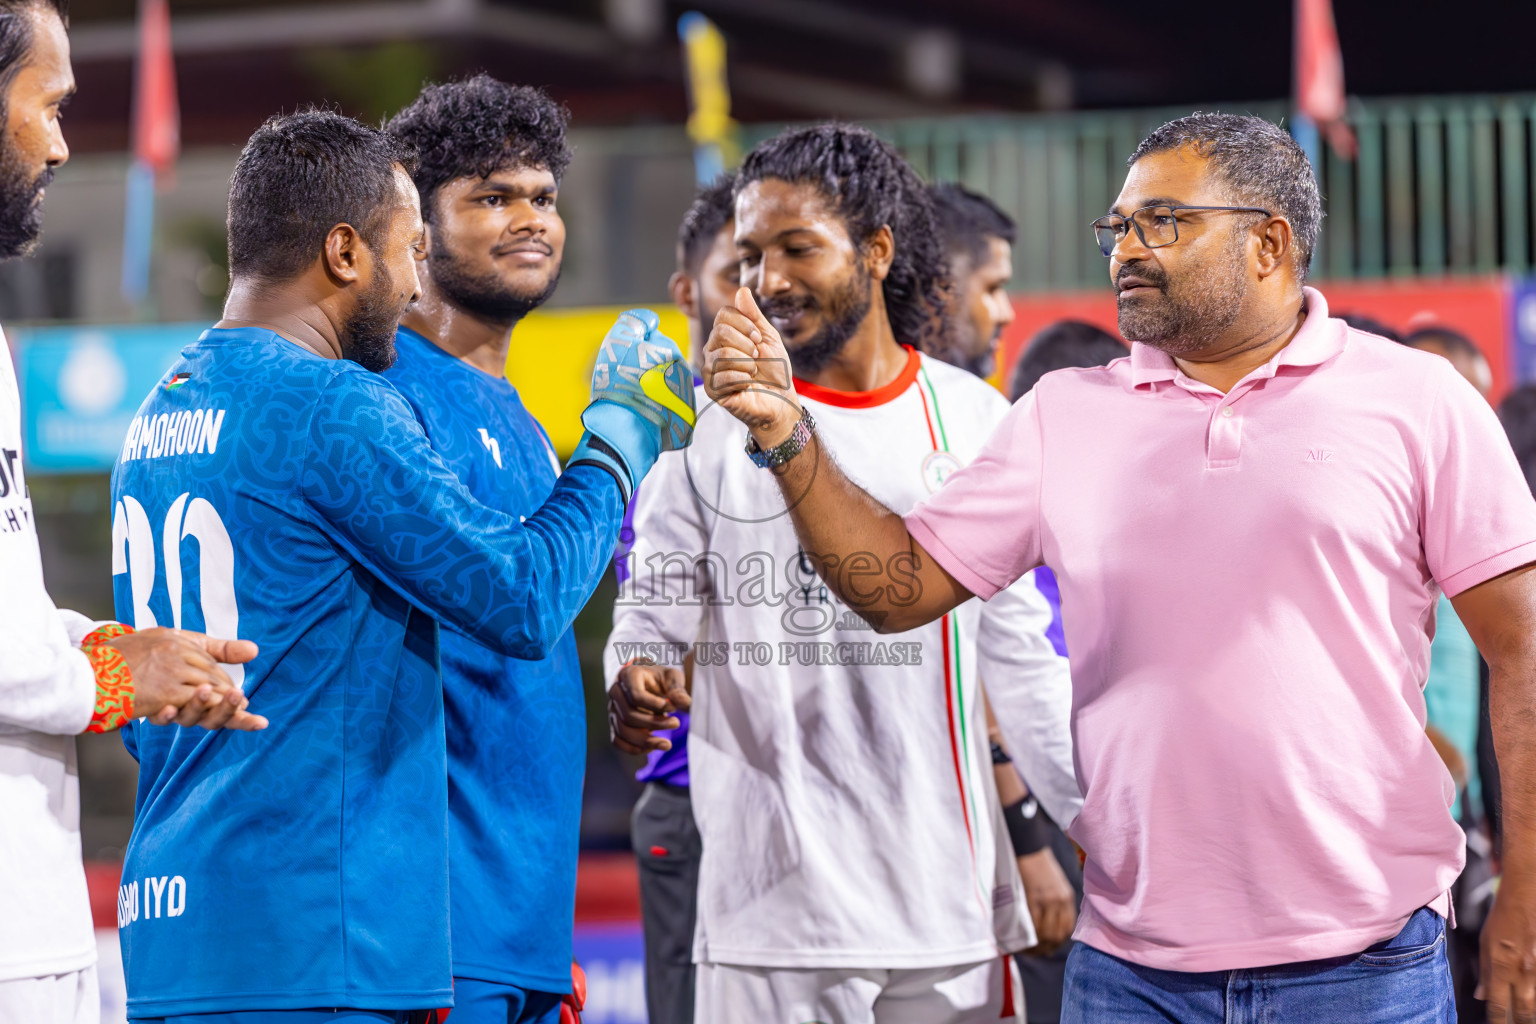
x=491 y=157
x=855 y=864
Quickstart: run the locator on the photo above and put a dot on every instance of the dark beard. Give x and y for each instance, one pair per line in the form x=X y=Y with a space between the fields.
x=983 y=363
x=21 y=204
x=485 y=295
x=368 y=335
x=1187 y=318
x=962 y=351
x=845 y=311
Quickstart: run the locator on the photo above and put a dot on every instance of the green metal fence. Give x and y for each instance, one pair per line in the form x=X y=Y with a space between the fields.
x=1441 y=185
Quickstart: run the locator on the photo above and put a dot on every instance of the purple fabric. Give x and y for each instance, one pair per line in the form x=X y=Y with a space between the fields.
x=669 y=766
x=1045 y=582
x=626 y=541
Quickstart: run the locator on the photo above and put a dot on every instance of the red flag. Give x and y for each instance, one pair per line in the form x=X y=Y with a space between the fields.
x=156 y=115
x=1320 y=73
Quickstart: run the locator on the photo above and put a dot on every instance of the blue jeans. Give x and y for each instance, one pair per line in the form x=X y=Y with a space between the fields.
x=1404 y=980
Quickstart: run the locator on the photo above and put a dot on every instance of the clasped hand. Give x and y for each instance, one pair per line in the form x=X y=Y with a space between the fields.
x=178 y=678
x=641 y=702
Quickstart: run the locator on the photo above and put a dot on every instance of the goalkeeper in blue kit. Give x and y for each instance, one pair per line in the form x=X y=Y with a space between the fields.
x=275 y=487
x=491 y=159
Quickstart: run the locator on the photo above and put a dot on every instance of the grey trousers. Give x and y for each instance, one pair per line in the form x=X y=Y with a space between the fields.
x=667 y=848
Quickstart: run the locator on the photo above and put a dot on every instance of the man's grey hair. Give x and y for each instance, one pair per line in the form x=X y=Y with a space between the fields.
x=1258 y=162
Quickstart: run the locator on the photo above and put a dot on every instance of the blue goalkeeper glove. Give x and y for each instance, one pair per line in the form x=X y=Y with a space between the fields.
x=642 y=401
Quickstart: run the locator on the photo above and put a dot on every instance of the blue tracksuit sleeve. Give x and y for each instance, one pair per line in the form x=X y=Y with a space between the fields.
x=379 y=489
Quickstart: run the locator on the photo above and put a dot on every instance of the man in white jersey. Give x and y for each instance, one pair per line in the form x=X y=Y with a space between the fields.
x=60 y=673
x=855 y=868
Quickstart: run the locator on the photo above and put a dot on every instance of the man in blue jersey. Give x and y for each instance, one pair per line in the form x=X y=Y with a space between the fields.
x=302 y=873
x=60 y=673
x=491 y=159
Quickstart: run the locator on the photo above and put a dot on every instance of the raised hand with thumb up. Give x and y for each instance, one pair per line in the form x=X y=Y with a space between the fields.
x=747 y=371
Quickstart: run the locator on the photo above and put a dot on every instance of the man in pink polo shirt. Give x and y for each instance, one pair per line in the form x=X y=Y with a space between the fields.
x=1251 y=519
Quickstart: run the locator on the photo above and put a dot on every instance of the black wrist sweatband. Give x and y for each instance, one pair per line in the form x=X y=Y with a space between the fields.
x=1026 y=827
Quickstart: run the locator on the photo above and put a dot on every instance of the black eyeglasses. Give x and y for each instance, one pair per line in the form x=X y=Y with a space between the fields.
x=1156 y=226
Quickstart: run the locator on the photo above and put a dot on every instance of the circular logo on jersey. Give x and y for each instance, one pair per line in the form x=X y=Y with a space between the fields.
x=936 y=469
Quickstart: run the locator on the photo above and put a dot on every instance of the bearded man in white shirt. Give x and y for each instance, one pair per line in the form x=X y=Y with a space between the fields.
x=856 y=868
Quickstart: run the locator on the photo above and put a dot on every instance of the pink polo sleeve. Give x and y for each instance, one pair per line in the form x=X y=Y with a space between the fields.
x=1479 y=519
x=983 y=525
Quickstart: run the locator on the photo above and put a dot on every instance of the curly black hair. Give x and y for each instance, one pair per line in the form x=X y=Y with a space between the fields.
x=477 y=126
x=712 y=209
x=299 y=176
x=871 y=186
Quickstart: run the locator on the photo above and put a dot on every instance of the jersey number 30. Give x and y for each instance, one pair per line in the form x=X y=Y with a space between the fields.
x=133 y=552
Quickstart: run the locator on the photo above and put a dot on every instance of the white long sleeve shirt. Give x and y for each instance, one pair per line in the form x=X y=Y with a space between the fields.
x=840 y=778
x=47 y=696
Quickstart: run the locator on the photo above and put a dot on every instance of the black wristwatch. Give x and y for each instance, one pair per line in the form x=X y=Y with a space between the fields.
x=787 y=449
